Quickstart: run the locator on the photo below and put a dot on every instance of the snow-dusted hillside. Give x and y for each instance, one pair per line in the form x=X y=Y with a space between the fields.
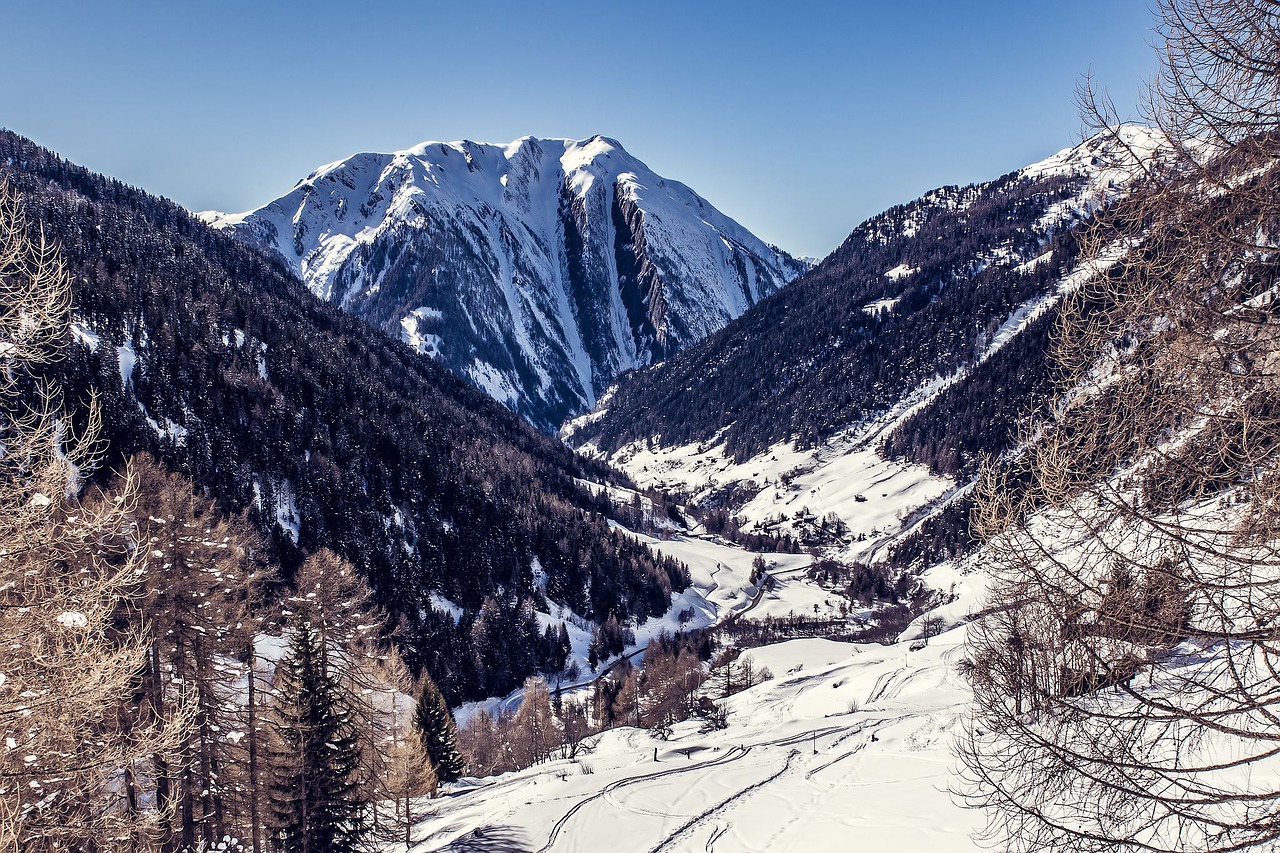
x=538 y=270
x=928 y=328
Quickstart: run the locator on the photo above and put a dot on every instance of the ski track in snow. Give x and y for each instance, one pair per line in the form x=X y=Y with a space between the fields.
x=797 y=769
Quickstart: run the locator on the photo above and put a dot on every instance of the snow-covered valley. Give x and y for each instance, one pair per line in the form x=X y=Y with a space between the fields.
x=843 y=742
x=846 y=744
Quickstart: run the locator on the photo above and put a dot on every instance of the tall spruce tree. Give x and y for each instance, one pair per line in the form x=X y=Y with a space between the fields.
x=313 y=793
x=438 y=731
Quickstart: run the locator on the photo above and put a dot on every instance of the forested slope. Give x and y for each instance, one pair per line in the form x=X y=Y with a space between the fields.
x=217 y=360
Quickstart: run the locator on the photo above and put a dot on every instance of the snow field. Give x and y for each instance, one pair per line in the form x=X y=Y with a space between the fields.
x=847 y=746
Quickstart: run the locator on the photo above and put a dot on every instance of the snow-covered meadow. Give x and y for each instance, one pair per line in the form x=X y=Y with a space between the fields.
x=846 y=747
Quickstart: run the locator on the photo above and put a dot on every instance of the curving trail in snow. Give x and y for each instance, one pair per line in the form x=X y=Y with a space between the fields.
x=605 y=794
x=848 y=746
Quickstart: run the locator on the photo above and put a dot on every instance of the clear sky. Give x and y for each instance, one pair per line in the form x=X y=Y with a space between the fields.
x=799 y=119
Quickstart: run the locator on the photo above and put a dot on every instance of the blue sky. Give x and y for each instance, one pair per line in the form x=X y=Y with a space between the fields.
x=798 y=119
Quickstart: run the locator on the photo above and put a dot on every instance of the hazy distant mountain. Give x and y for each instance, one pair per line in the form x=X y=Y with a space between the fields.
x=538 y=270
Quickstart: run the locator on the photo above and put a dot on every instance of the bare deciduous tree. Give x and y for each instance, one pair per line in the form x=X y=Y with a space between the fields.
x=409 y=775
x=200 y=597
x=1127 y=675
x=72 y=775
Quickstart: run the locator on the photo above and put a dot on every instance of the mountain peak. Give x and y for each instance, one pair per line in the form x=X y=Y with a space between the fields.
x=537 y=269
x=1113 y=154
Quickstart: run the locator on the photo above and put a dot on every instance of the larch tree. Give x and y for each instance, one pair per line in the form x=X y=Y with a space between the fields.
x=1126 y=674
x=481 y=745
x=200 y=596
x=533 y=732
x=409 y=775
x=69 y=768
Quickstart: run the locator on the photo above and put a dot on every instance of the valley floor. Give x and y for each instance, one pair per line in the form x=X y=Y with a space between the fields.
x=847 y=746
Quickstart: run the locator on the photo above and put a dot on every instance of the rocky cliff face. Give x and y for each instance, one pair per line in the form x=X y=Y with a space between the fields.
x=538 y=270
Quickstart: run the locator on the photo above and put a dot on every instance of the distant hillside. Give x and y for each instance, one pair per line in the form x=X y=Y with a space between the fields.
x=922 y=338
x=916 y=295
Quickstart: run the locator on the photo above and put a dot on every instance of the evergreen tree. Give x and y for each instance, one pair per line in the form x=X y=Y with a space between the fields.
x=439 y=733
x=313 y=801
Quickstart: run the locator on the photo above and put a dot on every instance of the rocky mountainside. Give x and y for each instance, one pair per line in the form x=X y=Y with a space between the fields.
x=538 y=271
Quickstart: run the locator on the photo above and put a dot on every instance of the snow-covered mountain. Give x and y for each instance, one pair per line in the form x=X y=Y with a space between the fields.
x=538 y=270
x=224 y=367
x=916 y=345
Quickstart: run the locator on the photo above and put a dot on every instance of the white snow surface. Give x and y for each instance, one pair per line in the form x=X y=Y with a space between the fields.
x=1111 y=158
x=128 y=359
x=793 y=488
x=901 y=271
x=845 y=741
x=84 y=333
x=878 y=305
x=480 y=232
x=846 y=747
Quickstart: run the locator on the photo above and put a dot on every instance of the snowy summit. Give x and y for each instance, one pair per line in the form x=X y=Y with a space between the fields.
x=538 y=270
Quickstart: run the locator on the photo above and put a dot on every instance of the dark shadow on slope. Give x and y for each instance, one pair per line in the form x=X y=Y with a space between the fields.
x=492 y=839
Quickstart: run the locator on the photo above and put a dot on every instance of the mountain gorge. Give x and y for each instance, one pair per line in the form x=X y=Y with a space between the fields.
x=538 y=271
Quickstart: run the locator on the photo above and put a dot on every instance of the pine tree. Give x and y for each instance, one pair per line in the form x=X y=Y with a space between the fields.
x=439 y=733
x=337 y=602
x=312 y=796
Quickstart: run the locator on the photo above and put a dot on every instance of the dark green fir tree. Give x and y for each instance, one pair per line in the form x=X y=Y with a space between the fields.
x=312 y=795
x=439 y=732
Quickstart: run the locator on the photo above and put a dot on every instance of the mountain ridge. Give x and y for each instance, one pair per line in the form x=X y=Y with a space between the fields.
x=538 y=270
x=207 y=354
x=921 y=340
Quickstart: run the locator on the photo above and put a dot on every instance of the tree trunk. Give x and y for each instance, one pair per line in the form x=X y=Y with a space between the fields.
x=255 y=821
